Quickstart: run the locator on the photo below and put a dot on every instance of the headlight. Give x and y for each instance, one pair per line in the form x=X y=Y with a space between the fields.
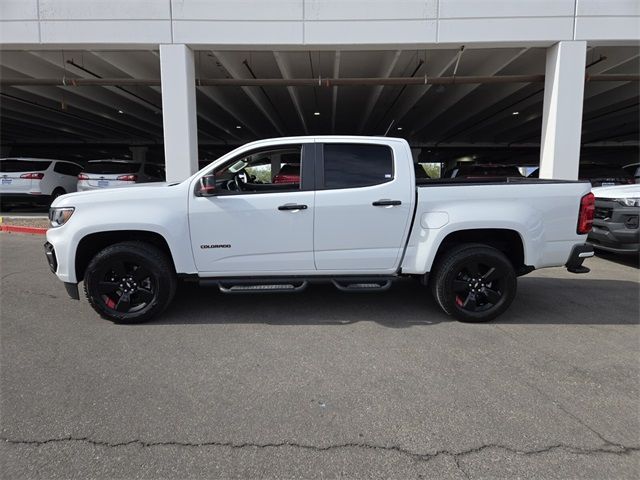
x=628 y=202
x=58 y=216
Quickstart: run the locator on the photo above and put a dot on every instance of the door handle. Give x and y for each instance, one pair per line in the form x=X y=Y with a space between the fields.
x=386 y=203
x=292 y=206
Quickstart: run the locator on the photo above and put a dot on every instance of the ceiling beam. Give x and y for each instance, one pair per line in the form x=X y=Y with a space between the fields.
x=406 y=101
x=136 y=69
x=243 y=119
x=478 y=117
x=234 y=67
x=48 y=121
x=530 y=109
x=285 y=72
x=42 y=104
x=377 y=90
x=496 y=63
x=334 y=93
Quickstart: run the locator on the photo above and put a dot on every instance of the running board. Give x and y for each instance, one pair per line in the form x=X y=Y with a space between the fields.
x=362 y=285
x=262 y=287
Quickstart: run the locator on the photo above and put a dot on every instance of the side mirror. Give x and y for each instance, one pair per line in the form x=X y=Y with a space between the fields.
x=206 y=186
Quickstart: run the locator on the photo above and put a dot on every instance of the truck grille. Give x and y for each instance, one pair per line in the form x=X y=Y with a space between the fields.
x=603 y=213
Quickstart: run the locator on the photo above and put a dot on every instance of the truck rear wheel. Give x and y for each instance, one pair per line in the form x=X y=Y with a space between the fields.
x=474 y=283
x=130 y=282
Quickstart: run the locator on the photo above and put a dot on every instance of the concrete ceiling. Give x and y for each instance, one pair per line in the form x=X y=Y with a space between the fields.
x=436 y=116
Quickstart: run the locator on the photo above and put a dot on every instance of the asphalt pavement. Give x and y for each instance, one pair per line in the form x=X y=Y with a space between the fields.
x=321 y=384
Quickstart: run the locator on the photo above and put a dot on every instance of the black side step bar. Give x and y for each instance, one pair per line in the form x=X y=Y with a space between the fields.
x=259 y=287
x=296 y=283
x=362 y=285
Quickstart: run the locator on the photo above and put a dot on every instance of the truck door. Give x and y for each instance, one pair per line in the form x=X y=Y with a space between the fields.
x=260 y=219
x=364 y=202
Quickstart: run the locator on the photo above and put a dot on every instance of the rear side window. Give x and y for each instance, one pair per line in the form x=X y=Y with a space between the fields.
x=349 y=165
x=10 y=165
x=107 y=168
x=67 y=168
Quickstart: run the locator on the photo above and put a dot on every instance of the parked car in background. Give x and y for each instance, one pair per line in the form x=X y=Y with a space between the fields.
x=483 y=171
x=599 y=175
x=633 y=169
x=116 y=173
x=35 y=181
x=615 y=222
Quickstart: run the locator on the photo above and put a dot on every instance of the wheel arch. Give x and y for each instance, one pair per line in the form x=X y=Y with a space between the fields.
x=508 y=241
x=92 y=243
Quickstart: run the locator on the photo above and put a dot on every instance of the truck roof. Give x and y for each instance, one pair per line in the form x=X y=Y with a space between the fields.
x=302 y=138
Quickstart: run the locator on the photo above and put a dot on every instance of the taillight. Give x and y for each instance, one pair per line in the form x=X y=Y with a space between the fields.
x=83 y=176
x=585 y=217
x=127 y=178
x=33 y=176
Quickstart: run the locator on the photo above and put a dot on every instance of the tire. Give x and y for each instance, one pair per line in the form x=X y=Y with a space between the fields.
x=474 y=283
x=56 y=193
x=112 y=277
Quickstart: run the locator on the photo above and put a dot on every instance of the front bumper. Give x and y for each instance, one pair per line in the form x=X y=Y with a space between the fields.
x=578 y=254
x=50 y=254
x=615 y=228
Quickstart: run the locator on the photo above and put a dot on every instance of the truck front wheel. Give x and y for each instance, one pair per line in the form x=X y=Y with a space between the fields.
x=130 y=282
x=474 y=283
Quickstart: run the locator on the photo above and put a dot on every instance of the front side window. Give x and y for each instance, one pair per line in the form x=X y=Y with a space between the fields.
x=266 y=170
x=356 y=165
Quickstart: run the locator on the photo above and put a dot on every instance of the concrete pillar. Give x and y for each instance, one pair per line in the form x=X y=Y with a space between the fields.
x=562 y=111
x=179 y=118
x=138 y=154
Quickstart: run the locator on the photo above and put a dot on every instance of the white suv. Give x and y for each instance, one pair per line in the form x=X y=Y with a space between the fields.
x=116 y=173
x=35 y=181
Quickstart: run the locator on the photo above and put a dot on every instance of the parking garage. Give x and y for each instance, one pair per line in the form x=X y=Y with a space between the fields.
x=461 y=105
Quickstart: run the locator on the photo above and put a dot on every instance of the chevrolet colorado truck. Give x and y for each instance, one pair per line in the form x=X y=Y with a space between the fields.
x=346 y=210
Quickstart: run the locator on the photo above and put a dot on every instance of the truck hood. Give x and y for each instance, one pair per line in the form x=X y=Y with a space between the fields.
x=139 y=192
x=619 y=191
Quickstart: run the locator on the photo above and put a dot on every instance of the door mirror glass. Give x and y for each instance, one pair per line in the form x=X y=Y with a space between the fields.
x=206 y=186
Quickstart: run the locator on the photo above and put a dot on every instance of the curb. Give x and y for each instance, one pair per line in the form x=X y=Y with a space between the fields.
x=19 y=229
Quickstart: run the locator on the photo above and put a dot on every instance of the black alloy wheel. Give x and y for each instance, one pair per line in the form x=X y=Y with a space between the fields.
x=478 y=287
x=130 y=282
x=474 y=282
x=126 y=286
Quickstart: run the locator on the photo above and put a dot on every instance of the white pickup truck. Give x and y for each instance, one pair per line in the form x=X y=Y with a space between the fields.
x=278 y=214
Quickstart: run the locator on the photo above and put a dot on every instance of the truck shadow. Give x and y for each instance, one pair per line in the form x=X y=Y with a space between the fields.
x=407 y=304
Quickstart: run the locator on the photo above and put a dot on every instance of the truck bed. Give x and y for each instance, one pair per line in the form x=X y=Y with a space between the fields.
x=543 y=213
x=427 y=182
